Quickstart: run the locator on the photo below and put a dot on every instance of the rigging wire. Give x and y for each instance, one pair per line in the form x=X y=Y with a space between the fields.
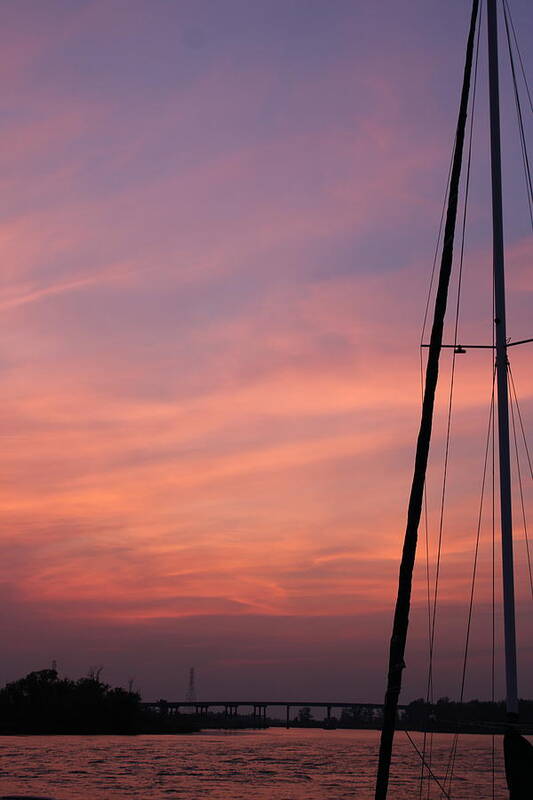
x=443 y=496
x=431 y=773
x=474 y=575
x=452 y=376
x=426 y=522
x=422 y=334
x=432 y=608
x=507 y=11
x=437 y=247
x=521 y=488
x=523 y=141
x=428 y=601
x=478 y=534
x=521 y=422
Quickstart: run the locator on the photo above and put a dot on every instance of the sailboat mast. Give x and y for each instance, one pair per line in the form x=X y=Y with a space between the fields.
x=501 y=367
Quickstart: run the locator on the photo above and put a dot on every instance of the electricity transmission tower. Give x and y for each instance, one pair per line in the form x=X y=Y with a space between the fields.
x=191 y=691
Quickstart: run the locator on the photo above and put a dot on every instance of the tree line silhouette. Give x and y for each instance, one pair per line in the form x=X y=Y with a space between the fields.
x=446 y=715
x=44 y=703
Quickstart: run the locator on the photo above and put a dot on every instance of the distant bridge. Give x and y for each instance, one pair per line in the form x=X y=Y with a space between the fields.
x=259 y=707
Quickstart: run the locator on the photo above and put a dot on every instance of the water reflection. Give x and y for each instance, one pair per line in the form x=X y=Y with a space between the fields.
x=274 y=764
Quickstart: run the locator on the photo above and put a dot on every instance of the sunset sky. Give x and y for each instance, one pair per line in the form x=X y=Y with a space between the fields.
x=218 y=220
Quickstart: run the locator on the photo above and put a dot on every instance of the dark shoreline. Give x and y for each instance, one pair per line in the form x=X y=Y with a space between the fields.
x=498 y=730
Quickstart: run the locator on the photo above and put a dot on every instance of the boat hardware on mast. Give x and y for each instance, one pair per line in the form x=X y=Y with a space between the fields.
x=401 y=615
x=482 y=346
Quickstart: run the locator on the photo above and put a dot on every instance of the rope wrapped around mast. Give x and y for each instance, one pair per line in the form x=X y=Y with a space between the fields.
x=403 y=601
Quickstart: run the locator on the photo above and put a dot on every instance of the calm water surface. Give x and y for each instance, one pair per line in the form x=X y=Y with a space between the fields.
x=277 y=764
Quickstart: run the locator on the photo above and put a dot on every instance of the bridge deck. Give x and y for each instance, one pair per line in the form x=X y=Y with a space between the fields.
x=285 y=703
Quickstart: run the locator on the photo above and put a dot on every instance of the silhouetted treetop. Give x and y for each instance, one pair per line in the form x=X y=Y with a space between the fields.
x=42 y=702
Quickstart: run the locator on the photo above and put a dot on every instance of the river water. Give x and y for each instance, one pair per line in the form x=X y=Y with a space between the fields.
x=272 y=764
